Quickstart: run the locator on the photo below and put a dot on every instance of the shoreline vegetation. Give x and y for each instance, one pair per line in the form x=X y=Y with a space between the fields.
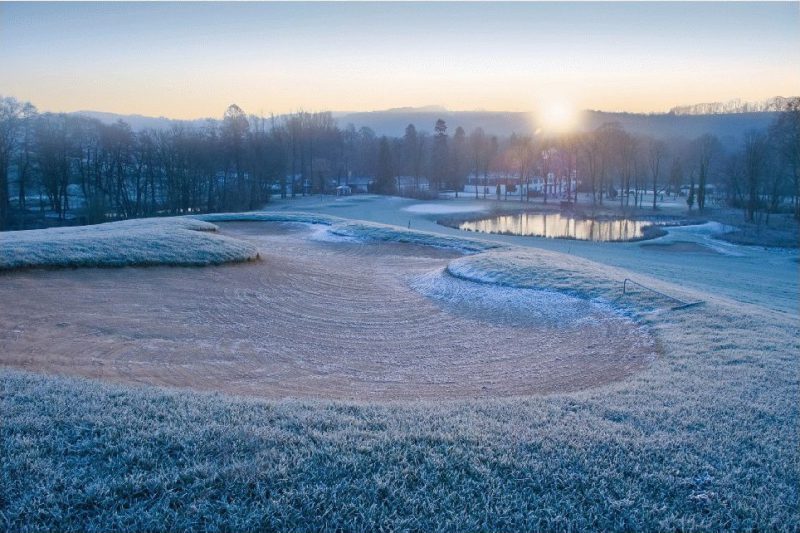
x=783 y=233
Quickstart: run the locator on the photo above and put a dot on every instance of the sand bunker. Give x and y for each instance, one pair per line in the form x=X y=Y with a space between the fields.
x=314 y=318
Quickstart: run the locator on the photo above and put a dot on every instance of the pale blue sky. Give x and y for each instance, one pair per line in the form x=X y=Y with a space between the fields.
x=191 y=60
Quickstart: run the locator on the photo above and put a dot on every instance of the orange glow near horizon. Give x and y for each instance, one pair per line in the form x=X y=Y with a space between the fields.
x=147 y=59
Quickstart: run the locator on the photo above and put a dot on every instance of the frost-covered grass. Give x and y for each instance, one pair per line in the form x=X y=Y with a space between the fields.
x=183 y=241
x=153 y=241
x=373 y=231
x=704 y=439
x=529 y=268
x=261 y=216
x=360 y=230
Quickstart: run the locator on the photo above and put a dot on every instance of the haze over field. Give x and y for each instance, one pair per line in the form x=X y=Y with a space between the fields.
x=729 y=127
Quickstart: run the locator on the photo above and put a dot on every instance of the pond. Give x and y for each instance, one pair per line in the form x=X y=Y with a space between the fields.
x=557 y=226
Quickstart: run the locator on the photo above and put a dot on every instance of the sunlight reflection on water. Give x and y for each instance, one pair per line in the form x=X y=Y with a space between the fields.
x=554 y=225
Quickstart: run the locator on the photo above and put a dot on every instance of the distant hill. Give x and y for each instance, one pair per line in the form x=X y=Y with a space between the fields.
x=139 y=122
x=777 y=103
x=393 y=123
x=729 y=127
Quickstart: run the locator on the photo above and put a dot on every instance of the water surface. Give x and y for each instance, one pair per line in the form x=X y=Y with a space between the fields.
x=557 y=226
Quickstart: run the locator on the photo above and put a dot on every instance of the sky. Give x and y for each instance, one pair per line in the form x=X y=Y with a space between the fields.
x=191 y=60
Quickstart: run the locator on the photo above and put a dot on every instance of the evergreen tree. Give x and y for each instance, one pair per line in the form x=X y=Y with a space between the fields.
x=440 y=156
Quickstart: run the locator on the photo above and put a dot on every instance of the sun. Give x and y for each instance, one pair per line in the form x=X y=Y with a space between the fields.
x=557 y=116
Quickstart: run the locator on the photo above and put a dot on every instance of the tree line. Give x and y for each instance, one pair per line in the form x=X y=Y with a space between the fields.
x=67 y=165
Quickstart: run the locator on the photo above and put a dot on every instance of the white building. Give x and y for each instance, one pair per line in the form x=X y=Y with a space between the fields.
x=535 y=185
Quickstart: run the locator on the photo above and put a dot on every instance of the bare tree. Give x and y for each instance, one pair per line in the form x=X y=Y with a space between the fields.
x=755 y=156
x=10 y=117
x=610 y=137
x=707 y=147
x=592 y=158
x=411 y=149
x=478 y=150
x=53 y=160
x=568 y=151
x=548 y=161
x=384 y=179
x=656 y=153
x=459 y=162
x=493 y=150
x=785 y=137
x=25 y=156
x=522 y=152
x=234 y=130
x=675 y=175
x=627 y=146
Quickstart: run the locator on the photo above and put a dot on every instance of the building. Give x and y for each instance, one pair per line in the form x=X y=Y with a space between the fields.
x=408 y=185
x=535 y=185
x=358 y=184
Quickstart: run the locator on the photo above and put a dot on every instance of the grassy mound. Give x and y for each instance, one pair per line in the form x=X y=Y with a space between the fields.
x=360 y=230
x=530 y=268
x=155 y=241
